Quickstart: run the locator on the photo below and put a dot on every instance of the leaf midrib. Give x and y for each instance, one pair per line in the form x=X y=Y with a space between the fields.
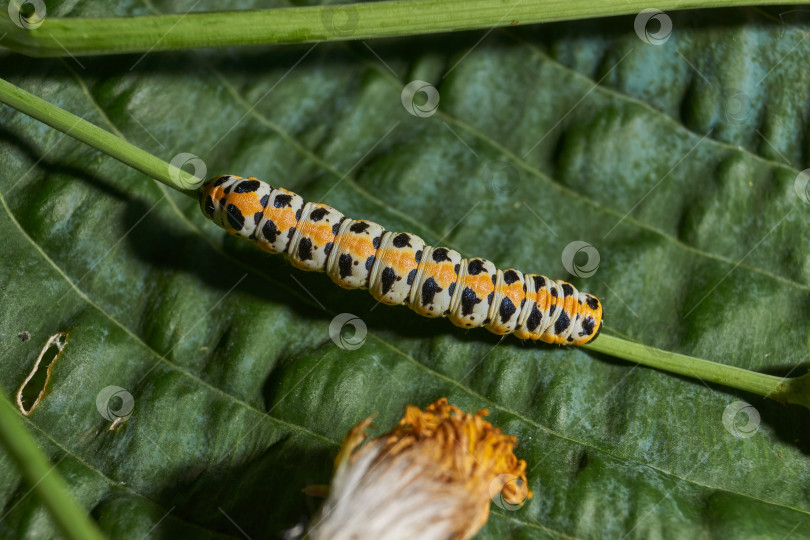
x=398 y=351
x=422 y=366
x=185 y=372
x=304 y=430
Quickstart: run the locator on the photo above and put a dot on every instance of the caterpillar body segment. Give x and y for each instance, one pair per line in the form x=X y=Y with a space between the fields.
x=279 y=220
x=434 y=284
x=399 y=268
x=353 y=253
x=395 y=266
x=314 y=236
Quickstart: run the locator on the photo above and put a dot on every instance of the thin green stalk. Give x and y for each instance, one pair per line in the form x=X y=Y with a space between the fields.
x=86 y=36
x=795 y=390
x=47 y=483
x=94 y=136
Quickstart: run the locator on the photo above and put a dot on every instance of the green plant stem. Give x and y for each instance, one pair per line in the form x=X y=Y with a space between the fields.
x=785 y=390
x=68 y=515
x=94 y=136
x=794 y=390
x=85 y=36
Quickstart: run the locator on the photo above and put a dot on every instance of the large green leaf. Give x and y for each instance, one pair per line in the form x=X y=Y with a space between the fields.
x=678 y=166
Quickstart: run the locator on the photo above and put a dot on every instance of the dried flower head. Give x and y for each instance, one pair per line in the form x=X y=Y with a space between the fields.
x=432 y=476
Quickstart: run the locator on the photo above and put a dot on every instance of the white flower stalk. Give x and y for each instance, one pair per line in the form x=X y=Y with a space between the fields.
x=431 y=477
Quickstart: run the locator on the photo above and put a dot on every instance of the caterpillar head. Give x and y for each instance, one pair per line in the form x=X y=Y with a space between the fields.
x=236 y=204
x=590 y=320
x=213 y=195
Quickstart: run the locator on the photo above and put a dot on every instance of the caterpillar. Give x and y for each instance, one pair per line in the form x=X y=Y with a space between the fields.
x=398 y=267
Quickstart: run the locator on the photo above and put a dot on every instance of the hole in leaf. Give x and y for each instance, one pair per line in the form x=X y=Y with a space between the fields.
x=33 y=388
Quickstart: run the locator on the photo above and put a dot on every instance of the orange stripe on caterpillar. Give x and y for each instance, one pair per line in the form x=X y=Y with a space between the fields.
x=398 y=268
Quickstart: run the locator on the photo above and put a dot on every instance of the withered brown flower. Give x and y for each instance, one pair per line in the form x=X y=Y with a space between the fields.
x=432 y=476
